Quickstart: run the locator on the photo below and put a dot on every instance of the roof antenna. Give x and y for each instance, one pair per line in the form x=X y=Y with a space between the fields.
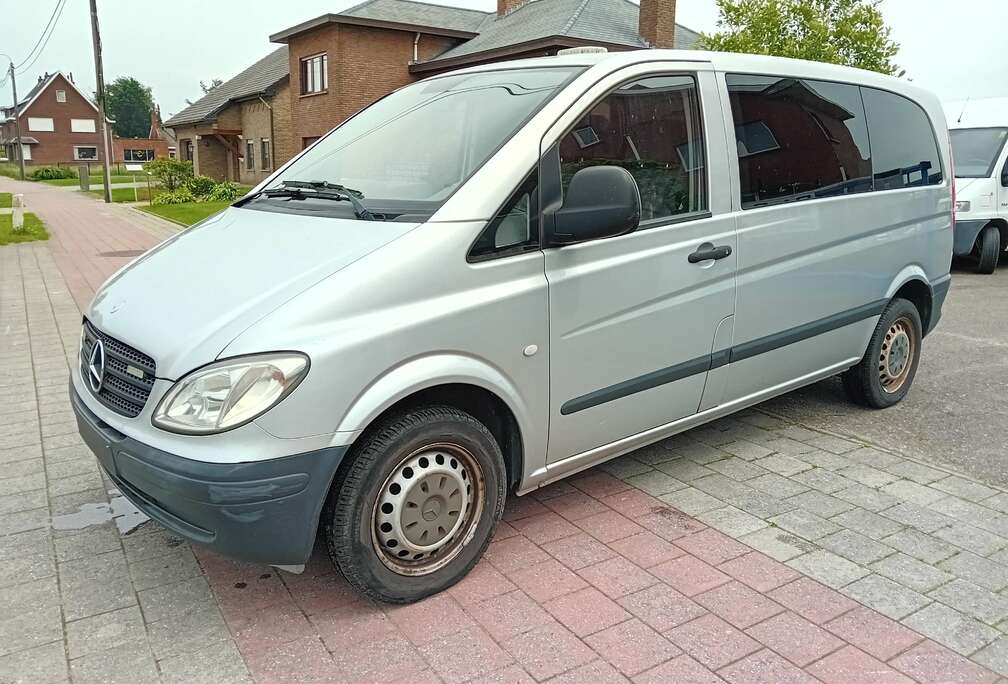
x=963 y=112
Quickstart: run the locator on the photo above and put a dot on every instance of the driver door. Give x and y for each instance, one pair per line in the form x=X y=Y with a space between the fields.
x=635 y=326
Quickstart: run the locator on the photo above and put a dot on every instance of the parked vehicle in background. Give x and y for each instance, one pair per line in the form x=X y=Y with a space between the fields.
x=981 y=184
x=500 y=276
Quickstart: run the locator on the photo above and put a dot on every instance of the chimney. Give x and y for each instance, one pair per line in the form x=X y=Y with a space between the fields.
x=155 y=123
x=506 y=7
x=656 y=23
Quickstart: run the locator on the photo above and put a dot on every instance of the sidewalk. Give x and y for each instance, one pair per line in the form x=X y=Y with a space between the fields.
x=749 y=550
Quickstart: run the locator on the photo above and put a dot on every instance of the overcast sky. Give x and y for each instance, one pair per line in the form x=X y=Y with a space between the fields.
x=956 y=49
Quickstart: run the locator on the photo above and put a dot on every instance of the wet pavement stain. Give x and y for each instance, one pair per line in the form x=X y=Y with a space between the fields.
x=127 y=517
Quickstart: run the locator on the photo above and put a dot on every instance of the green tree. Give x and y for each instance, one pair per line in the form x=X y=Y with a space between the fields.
x=128 y=102
x=171 y=174
x=849 y=32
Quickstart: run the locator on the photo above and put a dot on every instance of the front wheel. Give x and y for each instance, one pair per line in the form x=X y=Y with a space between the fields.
x=885 y=373
x=989 y=247
x=416 y=505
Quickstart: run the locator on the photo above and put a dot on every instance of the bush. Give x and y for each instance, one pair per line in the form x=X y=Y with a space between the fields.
x=51 y=173
x=201 y=186
x=225 y=191
x=171 y=174
x=181 y=196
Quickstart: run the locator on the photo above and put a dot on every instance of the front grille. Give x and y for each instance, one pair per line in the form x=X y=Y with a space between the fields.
x=129 y=374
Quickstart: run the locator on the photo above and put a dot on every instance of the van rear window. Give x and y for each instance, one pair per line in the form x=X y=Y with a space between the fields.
x=904 y=150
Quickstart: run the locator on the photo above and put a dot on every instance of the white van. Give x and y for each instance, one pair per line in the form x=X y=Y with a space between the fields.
x=981 y=184
x=497 y=277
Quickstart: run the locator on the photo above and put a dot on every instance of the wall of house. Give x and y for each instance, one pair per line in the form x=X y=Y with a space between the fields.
x=255 y=126
x=57 y=147
x=284 y=147
x=119 y=145
x=210 y=156
x=364 y=64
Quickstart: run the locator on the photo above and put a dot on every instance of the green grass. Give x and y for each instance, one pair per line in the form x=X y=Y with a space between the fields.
x=124 y=194
x=186 y=214
x=96 y=180
x=33 y=229
x=6 y=199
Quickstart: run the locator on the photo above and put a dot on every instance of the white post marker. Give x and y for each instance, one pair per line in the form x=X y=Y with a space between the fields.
x=17 y=213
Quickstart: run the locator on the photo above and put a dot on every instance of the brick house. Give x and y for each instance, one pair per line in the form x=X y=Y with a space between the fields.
x=159 y=143
x=230 y=133
x=334 y=65
x=59 y=124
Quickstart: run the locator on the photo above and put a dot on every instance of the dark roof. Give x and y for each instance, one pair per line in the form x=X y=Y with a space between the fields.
x=258 y=79
x=419 y=14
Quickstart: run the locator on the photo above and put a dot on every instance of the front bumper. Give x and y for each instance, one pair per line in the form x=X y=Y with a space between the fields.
x=966 y=233
x=261 y=511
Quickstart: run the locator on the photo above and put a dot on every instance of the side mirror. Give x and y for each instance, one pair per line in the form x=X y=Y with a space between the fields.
x=1004 y=177
x=601 y=202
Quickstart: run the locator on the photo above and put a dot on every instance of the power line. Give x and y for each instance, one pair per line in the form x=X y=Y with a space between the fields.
x=58 y=12
x=44 y=30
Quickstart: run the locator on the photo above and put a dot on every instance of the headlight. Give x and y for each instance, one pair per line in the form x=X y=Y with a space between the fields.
x=962 y=206
x=229 y=393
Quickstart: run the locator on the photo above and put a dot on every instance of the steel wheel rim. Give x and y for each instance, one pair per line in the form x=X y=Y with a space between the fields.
x=427 y=509
x=897 y=354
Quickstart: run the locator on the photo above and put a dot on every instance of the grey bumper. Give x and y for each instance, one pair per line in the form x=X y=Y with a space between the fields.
x=260 y=511
x=939 y=291
x=965 y=236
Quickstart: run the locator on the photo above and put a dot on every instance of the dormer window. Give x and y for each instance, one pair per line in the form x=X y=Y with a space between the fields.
x=61 y=96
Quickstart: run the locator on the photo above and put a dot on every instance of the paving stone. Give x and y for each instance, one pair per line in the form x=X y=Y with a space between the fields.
x=129 y=665
x=921 y=546
x=981 y=571
x=855 y=547
x=624 y=467
x=822 y=480
x=799 y=433
x=732 y=521
x=700 y=453
x=655 y=482
x=913 y=492
x=994 y=655
x=777 y=543
x=218 y=662
x=19 y=483
x=632 y=647
x=951 y=628
x=973 y=600
x=917 y=472
x=737 y=469
x=777 y=485
x=684 y=470
x=886 y=596
x=834 y=445
x=820 y=504
x=966 y=511
x=691 y=501
x=876 y=458
x=654 y=454
x=794 y=637
x=911 y=572
x=570 y=609
x=660 y=606
x=867 y=475
x=783 y=464
x=646 y=549
x=46 y=663
x=680 y=669
x=998 y=502
x=95 y=585
x=93 y=541
x=690 y=576
x=543 y=652
x=826 y=460
x=174 y=599
x=971 y=490
x=972 y=538
x=758 y=571
x=931 y=662
x=31 y=629
x=866 y=497
x=723 y=488
x=738 y=604
x=202 y=625
x=711 y=546
x=746 y=450
x=712 y=641
x=852 y=665
x=765 y=666
x=114 y=629
x=788 y=447
x=804 y=524
x=23 y=501
x=829 y=568
x=867 y=523
x=873 y=632
x=761 y=505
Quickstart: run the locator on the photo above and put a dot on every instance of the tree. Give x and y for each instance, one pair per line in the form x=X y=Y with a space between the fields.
x=214 y=82
x=849 y=32
x=129 y=103
x=171 y=174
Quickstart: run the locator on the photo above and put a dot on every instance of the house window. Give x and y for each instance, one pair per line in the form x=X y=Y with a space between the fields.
x=314 y=78
x=85 y=152
x=187 y=150
x=82 y=125
x=26 y=152
x=265 y=148
x=38 y=123
x=138 y=155
x=61 y=96
x=250 y=155
x=171 y=152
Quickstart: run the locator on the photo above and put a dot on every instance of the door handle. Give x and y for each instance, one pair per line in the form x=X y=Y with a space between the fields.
x=708 y=251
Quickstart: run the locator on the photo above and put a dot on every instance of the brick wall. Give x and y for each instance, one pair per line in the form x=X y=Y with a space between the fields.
x=119 y=145
x=58 y=146
x=255 y=125
x=284 y=146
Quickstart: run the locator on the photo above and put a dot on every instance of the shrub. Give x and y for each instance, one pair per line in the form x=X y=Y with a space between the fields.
x=181 y=196
x=52 y=173
x=201 y=186
x=225 y=191
x=171 y=174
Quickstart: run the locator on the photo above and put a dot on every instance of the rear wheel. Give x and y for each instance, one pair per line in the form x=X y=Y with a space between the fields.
x=885 y=373
x=416 y=505
x=989 y=248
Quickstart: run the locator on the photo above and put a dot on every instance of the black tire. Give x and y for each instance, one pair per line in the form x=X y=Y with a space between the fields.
x=350 y=517
x=989 y=248
x=872 y=382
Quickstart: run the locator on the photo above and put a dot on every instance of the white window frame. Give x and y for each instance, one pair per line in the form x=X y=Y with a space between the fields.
x=83 y=126
x=61 y=96
x=265 y=154
x=78 y=148
x=41 y=124
x=314 y=74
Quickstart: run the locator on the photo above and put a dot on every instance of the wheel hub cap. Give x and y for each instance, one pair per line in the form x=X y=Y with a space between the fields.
x=897 y=356
x=427 y=510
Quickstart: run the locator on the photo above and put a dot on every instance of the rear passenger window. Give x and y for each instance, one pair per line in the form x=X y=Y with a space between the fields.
x=652 y=128
x=798 y=139
x=904 y=150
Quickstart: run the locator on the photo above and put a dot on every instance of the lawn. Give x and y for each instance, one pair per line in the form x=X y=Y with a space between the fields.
x=34 y=229
x=6 y=199
x=186 y=214
x=96 y=181
x=124 y=194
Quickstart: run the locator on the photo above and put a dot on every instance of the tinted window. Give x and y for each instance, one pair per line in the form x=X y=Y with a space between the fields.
x=904 y=150
x=652 y=128
x=976 y=150
x=798 y=139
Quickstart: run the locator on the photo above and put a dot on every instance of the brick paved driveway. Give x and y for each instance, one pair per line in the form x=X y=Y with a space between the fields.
x=753 y=549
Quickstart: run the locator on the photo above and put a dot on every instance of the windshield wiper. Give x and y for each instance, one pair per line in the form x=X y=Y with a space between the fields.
x=295 y=189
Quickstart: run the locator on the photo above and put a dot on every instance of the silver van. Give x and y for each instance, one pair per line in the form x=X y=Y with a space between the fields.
x=496 y=277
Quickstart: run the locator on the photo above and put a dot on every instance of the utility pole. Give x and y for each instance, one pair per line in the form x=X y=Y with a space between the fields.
x=100 y=78
x=17 y=122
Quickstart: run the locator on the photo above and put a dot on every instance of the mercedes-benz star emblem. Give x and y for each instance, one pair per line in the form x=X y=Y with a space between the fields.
x=96 y=366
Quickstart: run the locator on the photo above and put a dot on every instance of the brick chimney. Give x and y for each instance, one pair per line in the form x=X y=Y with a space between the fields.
x=155 y=123
x=656 y=23
x=506 y=7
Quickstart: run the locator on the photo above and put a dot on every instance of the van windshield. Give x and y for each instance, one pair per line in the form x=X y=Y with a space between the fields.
x=412 y=149
x=976 y=150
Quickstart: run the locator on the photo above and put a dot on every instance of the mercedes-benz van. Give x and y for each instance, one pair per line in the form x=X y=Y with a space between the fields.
x=496 y=277
x=981 y=184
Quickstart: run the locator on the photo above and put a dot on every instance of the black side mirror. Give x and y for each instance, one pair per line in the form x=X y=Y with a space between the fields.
x=601 y=202
x=1004 y=177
